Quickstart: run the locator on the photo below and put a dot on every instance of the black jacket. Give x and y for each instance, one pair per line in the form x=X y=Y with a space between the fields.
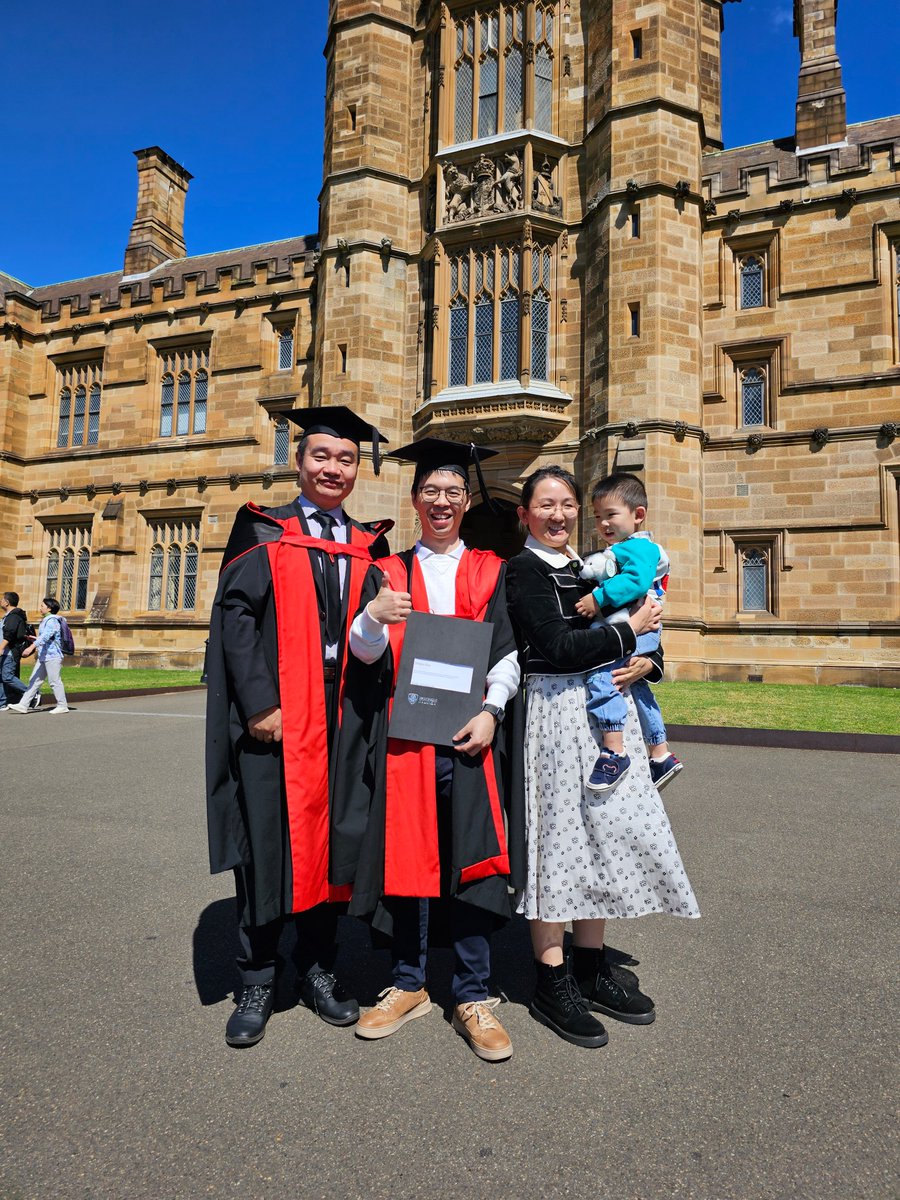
x=554 y=639
x=15 y=629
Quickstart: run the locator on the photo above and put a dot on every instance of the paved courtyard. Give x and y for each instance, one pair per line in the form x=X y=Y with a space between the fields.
x=768 y=1073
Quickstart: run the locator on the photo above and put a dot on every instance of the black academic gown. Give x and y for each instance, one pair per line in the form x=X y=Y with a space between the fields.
x=361 y=781
x=246 y=799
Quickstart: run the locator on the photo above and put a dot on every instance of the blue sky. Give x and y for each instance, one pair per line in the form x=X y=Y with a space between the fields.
x=235 y=93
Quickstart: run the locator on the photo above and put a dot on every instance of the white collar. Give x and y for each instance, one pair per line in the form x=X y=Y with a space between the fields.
x=424 y=552
x=555 y=558
x=310 y=508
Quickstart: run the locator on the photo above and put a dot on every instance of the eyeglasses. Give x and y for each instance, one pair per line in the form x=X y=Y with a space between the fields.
x=569 y=509
x=454 y=495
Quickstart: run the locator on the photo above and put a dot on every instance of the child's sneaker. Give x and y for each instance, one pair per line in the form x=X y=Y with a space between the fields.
x=664 y=770
x=609 y=771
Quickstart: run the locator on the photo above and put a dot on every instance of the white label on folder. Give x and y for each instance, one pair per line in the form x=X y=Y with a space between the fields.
x=447 y=677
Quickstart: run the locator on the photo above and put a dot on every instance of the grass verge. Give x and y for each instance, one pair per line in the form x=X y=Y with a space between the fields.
x=111 y=679
x=820 y=708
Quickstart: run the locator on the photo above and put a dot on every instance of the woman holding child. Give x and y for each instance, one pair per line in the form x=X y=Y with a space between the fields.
x=590 y=856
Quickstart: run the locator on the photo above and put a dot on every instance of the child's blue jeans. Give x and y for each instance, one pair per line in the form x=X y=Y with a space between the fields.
x=606 y=706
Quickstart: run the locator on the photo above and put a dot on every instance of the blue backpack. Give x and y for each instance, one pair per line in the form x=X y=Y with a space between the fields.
x=66 y=641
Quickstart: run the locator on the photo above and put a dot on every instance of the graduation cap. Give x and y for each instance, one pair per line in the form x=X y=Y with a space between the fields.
x=435 y=454
x=341 y=422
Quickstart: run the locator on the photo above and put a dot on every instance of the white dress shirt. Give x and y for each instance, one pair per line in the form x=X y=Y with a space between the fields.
x=339 y=534
x=369 y=638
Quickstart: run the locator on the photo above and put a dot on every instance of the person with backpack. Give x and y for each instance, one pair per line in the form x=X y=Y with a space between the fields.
x=13 y=640
x=52 y=642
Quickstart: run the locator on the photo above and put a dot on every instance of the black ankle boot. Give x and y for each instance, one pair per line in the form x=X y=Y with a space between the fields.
x=560 y=1006
x=610 y=990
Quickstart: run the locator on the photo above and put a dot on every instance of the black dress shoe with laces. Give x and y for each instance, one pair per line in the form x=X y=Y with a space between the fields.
x=247 y=1024
x=324 y=995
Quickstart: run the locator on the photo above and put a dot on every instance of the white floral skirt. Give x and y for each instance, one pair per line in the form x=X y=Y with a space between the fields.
x=617 y=858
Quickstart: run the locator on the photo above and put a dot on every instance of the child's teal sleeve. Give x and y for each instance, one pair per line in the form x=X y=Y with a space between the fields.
x=637 y=559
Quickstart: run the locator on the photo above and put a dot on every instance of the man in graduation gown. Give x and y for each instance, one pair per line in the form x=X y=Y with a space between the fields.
x=437 y=832
x=292 y=578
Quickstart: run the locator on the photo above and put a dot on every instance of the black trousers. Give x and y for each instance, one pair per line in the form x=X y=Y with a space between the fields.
x=316 y=931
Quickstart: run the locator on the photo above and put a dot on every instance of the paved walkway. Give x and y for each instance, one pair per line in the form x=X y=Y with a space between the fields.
x=766 y=1075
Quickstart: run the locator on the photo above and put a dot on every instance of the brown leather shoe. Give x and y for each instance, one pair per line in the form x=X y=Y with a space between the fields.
x=394 y=1008
x=481 y=1029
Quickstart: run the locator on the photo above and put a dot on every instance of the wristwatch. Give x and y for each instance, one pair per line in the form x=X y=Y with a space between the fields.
x=495 y=710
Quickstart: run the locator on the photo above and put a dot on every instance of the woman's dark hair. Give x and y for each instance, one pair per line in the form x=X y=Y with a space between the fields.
x=542 y=473
x=52 y=604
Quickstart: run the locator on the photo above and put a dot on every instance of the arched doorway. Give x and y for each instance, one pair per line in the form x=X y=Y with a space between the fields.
x=499 y=531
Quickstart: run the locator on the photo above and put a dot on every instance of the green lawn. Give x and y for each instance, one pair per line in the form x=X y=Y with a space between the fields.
x=781 y=706
x=744 y=705
x=108 y=679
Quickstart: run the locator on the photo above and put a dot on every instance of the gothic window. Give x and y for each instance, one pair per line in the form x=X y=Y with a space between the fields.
x=488 y=77
x=540 y=314
x=286 y=348
x=755 y=578
x=78 y=415
x=459 y=319
x=65 y=416
x=81 y=578
x=752 y=275
x=514 y=69
x=78 y=421
x=489 y=69
x=174 y=560
x=753 y=396
x=184 y=391
x=69 y=565
x=465 y=78
x=282 y=442
x=543 y=67
x=493 y=335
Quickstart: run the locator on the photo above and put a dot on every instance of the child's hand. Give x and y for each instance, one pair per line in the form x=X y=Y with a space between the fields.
x=587 y=606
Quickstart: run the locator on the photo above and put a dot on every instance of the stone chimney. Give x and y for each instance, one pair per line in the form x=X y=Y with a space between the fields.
x=158 y=229
x=821 y=101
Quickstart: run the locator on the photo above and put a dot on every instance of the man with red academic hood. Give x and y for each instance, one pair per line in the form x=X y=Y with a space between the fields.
x=443 y=841
x=292 y=578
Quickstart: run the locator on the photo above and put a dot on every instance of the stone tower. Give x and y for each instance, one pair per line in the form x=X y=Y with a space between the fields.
x=821 y=103
x=367 y=287
x=652 y=108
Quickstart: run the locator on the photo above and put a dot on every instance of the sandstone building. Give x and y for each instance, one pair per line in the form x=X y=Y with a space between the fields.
x=532 y=236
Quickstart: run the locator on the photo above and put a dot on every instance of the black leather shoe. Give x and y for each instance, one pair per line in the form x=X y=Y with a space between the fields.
x=247 y=1024
x=610 y=990
x=324 y=995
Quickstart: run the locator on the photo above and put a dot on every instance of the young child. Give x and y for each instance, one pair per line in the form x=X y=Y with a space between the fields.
x=632 y=566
